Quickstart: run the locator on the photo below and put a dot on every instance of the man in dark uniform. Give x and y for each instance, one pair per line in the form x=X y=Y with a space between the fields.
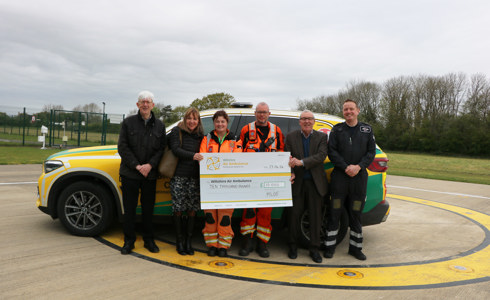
x=351 y=149
x=141 y=143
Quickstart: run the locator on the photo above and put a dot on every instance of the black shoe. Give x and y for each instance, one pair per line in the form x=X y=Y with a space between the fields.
x=262 y=249
x=357 y=253
x=293 y=252
x=246 y=246
x=329 y=253
x=179 y=246
x=315 y=256
x=222 y=252
x=126 y=249
x=212 y=251
x=151 y=246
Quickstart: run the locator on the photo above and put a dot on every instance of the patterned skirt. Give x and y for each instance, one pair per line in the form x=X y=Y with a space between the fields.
x=185 y=194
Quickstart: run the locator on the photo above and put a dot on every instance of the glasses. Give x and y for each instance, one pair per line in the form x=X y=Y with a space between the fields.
x=262 y=112
x=307 y=119
x=145 y=102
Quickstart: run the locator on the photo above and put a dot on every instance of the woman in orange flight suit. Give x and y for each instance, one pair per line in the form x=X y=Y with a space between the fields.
x=217 y=229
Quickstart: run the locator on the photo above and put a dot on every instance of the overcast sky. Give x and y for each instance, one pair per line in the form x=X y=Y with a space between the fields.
x=79 y=52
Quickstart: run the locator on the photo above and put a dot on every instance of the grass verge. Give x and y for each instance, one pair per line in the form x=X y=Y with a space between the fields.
x=463 y=169
x=16 y=155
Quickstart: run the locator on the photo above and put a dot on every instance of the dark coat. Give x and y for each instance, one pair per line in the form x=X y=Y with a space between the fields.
x=140 y=144
x=185 y=150
x=314 y=162
x=358 y=149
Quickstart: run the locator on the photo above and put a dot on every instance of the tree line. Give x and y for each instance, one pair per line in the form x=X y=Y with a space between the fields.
x=447 y=114
x=437 y=114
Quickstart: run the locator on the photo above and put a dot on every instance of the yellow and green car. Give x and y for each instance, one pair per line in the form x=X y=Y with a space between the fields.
x=81 y=186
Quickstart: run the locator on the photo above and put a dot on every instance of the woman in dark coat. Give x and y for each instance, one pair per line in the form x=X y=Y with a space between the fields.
x=185 y=139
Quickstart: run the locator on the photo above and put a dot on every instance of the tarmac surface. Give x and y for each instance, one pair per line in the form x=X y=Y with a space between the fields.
x=434 y=245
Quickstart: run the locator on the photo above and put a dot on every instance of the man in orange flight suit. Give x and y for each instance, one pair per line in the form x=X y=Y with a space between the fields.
x=259 y=136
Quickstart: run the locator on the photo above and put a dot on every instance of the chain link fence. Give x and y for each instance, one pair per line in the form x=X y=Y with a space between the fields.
x=58 y=128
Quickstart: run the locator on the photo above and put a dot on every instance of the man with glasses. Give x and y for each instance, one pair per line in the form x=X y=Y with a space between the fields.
x=308 y=149
x=141 y=143
x=259 y=136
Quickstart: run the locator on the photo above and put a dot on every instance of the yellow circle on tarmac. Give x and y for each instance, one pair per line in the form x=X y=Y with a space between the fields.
x=470 y=267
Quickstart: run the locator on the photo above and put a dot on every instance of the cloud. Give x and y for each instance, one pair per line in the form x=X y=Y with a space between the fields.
x=71 y=53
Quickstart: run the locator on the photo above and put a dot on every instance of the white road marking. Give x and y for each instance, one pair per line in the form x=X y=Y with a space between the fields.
x=431 y=191
x=12 y=183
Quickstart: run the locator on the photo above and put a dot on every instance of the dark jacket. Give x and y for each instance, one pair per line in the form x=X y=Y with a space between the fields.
x=358 y=149
x=314 y=161
x=140 y=144
x=185 y=150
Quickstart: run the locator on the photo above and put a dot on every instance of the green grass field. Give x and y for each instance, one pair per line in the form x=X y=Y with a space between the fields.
x=86 y=139
x=463 y=169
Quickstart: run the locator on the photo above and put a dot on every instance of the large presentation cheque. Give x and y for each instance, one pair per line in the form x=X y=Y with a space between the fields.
x=243 y=180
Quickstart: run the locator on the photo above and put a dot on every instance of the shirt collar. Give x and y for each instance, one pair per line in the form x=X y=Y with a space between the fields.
x=307 y=136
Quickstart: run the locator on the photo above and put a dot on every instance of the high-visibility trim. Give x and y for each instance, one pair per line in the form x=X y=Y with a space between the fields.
x=210 y=234
x=211 y=242
x=263 y=237
x=253 y=140
x=353 y=243
x=224 y=242
x=330 y=243
x=263 y=229
x=332 y=233
x=355 y=234
x=247 y=227
x=245 y=232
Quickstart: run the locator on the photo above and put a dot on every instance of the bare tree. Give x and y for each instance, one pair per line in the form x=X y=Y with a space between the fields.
x=91 y=108
x=478 y=102
x=368 y=97
x=321 y=104
x=49 y=107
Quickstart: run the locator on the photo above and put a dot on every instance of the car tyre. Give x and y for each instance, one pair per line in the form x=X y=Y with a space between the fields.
x=85 y=208
x=304 y=235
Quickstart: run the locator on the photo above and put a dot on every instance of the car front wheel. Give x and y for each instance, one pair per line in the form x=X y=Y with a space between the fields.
x=85 y=209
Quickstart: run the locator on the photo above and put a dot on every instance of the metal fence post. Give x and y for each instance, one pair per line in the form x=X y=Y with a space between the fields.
x=24 y=129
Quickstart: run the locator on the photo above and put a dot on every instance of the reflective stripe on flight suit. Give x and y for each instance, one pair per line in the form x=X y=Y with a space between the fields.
x=254 y=139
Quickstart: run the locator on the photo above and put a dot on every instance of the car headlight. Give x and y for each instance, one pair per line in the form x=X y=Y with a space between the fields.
x=51 y=165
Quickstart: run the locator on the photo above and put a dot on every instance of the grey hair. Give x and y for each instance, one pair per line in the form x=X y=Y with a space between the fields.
x=307 y=111
x=146 y=95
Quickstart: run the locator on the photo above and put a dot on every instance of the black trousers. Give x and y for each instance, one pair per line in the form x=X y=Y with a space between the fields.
x=348 y=192
x=131 y=189
x=314 y=200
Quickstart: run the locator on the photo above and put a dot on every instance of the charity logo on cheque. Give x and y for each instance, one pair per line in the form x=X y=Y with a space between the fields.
x=213 y=163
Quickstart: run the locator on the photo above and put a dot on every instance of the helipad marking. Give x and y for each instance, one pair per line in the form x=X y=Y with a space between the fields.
x=471 y=267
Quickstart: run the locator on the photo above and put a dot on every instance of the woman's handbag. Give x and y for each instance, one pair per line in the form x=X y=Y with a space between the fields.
x=169 y=161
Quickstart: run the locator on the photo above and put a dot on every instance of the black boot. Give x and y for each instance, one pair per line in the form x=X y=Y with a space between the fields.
x=246 y=245
x=188 y=240
x=262 y=249
x=179 y=243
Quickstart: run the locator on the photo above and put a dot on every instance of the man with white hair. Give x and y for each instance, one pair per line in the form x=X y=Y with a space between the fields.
x=308 y=149
x=141 y=143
